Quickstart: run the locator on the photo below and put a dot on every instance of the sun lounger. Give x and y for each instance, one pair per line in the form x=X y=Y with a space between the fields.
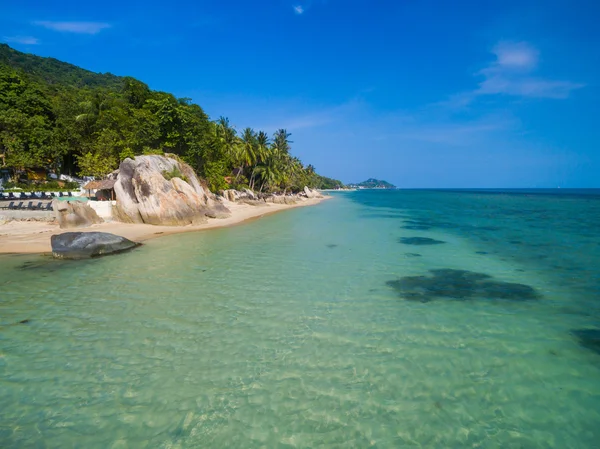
x=70 y=194
x=39 y=206
x=30 y=205
x=18 y=206
x=49 y=206
x=10 y=206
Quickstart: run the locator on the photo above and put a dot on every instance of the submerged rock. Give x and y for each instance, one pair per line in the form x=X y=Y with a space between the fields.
x=589 y=339
x=161 y=190
x=461 y=285
x=412 y=255
x=74 y=214
x=83 y=245
x=420 y=241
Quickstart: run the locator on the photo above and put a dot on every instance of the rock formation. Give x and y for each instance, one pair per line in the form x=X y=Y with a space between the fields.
x=162 y=190
x=82 y=245
x=74 y=214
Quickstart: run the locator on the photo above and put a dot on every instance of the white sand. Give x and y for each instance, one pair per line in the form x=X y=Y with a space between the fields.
x=34 y=236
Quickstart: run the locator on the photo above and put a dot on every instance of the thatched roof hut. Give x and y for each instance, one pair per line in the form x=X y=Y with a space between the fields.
x=102 y=184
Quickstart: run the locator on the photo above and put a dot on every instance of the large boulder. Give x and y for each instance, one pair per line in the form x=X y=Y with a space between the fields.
x=309 y=193
x=162 y=190
x=312 y=193
x=83 y=245
x=74 y=214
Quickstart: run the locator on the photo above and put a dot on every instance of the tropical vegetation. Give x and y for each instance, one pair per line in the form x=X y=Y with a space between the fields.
x=65 y=119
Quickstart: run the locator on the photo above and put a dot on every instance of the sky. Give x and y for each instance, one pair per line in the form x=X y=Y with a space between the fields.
x=421 y=93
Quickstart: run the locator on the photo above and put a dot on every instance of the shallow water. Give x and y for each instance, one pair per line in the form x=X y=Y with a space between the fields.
x=321 y=326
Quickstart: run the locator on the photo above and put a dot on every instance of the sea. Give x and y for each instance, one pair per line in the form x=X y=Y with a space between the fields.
x=378 y=318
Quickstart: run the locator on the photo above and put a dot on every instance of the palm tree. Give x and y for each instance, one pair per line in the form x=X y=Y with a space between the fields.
x=281 y=142
x=262 y=153
x=227 y=136
x=249 y=147
x=267 y=173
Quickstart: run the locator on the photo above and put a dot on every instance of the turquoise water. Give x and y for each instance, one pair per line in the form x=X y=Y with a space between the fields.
x=339 y=325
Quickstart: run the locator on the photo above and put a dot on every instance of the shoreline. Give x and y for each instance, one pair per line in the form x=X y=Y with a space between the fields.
x=33 y=237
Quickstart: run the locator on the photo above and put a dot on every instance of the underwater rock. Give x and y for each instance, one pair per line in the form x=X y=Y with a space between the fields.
x=481 y=252
x=331 y=245
x=419 y=241
x=460 y=285
x=416 y=227
x=588 y=338
x=412 y=254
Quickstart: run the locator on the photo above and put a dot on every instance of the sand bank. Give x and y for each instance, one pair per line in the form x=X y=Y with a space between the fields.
x=22 y=237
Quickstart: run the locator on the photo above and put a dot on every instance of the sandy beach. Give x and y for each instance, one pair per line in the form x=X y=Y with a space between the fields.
x=23 y=237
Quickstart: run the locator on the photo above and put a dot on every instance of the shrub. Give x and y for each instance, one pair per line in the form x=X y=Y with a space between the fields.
x=174 y=173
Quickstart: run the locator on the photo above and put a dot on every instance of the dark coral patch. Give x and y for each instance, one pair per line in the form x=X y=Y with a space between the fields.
x=331 y=245
x=589 y=339
x=420 y=241
x=459 y=285
x=412 y=254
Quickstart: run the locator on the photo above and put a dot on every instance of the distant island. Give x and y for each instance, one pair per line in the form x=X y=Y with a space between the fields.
x=372 y=183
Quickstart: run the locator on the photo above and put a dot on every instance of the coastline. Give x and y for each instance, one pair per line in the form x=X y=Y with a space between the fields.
x=33 y=237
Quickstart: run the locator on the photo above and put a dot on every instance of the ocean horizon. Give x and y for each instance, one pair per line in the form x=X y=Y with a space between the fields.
x=379 y=318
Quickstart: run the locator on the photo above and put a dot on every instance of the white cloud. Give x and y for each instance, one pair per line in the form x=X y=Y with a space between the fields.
x=298 y=9
x=74 y=27
x=516 y=55
x=511 y=74
x=25 y=40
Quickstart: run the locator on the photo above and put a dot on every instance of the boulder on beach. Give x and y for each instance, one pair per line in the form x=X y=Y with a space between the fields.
x=83 y=245
x=162 y=190
x=74 y=214
x=312 y=193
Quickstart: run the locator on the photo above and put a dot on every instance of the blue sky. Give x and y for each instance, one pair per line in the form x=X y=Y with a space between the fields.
x=420 y=93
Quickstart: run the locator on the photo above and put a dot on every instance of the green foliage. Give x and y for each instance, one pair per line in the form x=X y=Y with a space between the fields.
x=58 y=116
x=174 y=173
x=96 y=164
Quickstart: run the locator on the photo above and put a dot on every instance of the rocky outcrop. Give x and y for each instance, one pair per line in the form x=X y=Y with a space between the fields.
x=312 y=193
x=83 y=245
x=162 y=190
x=249 y=197
x=74 y=214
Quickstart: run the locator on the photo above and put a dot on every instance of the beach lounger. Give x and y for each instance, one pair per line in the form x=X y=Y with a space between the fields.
x=39 y=206
x=49 y=206
x=18 y=206
x=10 y=206
x=70 y=194
x=30 y=206
x=60 y=195
x=11 y=196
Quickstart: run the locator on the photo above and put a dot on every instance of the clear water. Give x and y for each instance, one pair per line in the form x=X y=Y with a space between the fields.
x=317 y=327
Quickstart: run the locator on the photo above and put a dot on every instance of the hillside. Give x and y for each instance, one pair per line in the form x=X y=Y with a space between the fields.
x=53 y=71
x=372 y=183
x=66 y=119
